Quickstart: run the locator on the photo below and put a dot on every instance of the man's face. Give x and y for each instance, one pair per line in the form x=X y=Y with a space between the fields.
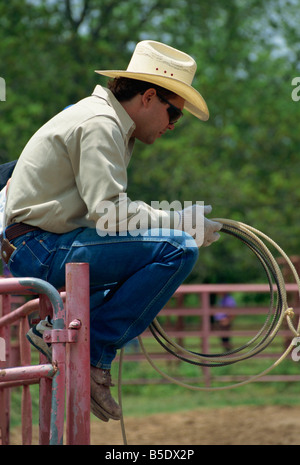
x=155 y=120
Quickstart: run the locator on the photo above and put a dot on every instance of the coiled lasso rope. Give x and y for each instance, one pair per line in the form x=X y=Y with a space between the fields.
x=278 y=311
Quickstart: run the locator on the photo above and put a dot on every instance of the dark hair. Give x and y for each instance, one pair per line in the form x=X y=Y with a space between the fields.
x=125 y=88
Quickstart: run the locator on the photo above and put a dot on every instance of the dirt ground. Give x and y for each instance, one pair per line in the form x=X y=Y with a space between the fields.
x=226 y=426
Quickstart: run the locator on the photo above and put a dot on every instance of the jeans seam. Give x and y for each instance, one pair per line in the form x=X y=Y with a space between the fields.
x=164 y=289
x=123 y=240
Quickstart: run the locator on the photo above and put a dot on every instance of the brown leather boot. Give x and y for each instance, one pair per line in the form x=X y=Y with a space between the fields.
x=102 y=403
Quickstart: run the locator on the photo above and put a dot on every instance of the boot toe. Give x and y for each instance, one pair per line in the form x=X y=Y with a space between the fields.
x=102 y=403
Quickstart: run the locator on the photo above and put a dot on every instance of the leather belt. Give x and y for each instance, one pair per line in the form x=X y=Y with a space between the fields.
x=18 y=229
x=12 y=232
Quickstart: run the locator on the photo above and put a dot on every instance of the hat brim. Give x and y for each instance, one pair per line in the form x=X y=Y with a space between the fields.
x=194 y=102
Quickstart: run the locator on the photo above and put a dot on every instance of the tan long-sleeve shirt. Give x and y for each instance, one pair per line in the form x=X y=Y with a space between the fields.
x=73 y=164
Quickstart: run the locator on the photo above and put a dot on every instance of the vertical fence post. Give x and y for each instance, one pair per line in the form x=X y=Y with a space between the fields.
x=45 y=309
x=78 y=354
x=59 y=379
x=206 y=331
x=5 y=393
x=25 y=357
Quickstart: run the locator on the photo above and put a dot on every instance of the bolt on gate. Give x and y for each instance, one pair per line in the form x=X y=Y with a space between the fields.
x=68 y=376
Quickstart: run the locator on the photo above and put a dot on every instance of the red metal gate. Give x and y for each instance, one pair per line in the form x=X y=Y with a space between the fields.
x=68 y=376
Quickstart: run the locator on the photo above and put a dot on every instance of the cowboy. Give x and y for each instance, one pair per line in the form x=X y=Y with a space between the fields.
x=73 y=172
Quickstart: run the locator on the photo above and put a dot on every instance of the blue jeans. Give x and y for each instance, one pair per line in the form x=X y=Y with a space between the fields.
x=131 y=278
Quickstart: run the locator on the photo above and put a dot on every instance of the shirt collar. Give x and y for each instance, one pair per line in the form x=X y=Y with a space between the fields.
x=126 y=122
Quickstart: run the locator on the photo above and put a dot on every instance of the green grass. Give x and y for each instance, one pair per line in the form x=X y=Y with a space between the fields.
x=155 y=398
x=163 y=398
x=159 y=399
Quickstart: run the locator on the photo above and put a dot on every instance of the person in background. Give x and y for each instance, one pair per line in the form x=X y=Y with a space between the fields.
x=223 y=320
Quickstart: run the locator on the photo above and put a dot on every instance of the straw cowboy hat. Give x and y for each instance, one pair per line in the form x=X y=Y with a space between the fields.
x=167 y=67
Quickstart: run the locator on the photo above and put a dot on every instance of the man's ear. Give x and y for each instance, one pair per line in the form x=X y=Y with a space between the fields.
x=148 y=96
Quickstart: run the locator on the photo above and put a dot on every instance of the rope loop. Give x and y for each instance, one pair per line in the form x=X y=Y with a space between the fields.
x=278 y=311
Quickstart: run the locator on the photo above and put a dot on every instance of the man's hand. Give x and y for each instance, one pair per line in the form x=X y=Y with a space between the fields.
x=203 y=230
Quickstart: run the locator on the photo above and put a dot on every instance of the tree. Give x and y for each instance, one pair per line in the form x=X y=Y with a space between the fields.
x=244 y=160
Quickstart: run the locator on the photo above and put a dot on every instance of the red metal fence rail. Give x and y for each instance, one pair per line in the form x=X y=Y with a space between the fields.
x=67 y=376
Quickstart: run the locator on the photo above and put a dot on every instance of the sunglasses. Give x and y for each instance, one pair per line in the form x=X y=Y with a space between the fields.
x=174 y=112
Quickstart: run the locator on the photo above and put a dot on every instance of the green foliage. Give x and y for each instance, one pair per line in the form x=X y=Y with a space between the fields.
x=244 y=161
